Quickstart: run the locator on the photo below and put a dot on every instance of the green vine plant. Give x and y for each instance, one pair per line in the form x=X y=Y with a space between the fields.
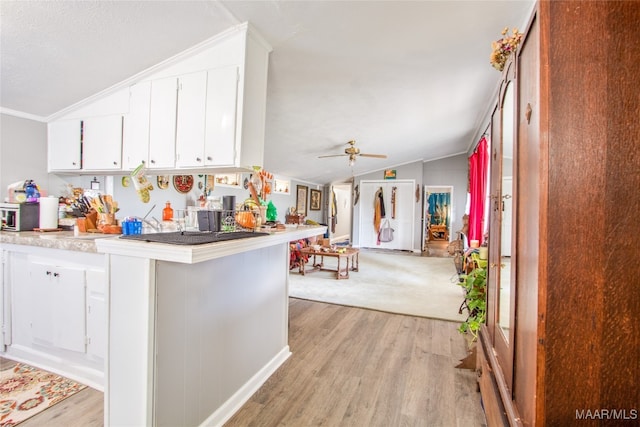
x=475 y=301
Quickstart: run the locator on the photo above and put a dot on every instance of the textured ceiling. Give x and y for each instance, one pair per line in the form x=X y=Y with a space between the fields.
x=406 y=79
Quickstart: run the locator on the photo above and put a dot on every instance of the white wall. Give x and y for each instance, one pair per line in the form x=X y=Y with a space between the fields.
x=23 y=154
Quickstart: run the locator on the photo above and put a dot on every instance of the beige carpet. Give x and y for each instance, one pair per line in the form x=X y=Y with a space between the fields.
x=387 y=281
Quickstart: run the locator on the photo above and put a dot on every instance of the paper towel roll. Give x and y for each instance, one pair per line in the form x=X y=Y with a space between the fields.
x=48 y=212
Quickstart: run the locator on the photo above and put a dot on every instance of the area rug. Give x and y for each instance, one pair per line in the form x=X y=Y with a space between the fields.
x=387 y=281
x=26 y=391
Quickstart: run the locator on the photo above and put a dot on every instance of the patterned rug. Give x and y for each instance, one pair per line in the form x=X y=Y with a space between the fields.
x=26 y=391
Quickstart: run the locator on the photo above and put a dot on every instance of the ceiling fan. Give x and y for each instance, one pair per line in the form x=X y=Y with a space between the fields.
x=352 y=151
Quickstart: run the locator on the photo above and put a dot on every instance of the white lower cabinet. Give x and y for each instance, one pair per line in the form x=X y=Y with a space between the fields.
x=57 y=307
x=58 y=310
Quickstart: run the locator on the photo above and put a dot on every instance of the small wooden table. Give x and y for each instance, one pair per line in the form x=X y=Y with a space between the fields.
x=350 y=255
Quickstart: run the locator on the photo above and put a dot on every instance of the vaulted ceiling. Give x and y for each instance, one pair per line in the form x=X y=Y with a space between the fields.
x=409 y=79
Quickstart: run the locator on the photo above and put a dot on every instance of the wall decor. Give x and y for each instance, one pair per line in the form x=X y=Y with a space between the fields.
x=316 y=197
x=232 y=180
x=281 y=186
x=389 y=174
x=183 y=183
x=301 y=199
x=163 y=181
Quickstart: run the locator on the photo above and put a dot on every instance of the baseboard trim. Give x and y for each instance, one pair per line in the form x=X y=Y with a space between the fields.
x=239 y=398
x=71 y=369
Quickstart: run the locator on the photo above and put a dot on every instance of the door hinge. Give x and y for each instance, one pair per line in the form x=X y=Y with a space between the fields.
x=87 y=340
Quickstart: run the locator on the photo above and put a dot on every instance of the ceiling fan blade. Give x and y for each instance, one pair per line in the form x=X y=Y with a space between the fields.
x=333 y=155
x=378 y=156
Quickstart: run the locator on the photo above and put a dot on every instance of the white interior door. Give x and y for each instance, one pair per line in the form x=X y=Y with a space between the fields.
x=402 y=221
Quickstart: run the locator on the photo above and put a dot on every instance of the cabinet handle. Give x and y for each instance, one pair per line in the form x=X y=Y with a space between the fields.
x=56 y=274
x=209 y=158
x=115 y=163
x=48 y=273
x=198 y=159
x=153 y=162
x=73 y=163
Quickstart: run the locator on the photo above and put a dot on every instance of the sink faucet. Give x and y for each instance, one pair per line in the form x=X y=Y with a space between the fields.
x=155 y=226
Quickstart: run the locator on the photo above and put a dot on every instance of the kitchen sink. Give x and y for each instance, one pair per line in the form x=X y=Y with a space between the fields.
x=192 y=237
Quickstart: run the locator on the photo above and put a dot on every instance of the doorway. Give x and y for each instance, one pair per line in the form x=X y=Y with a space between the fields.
x=436 y=216
x=338 y=212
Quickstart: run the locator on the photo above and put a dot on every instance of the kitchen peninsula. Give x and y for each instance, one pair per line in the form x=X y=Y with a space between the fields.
x=194 y=330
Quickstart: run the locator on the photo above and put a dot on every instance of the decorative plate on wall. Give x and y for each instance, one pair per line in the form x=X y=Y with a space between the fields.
x=183 y=183
x=163 y=181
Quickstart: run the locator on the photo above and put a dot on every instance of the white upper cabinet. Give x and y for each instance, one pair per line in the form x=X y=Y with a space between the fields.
x=135 y=143
x=64 y=145
x=102 y=143
x=162 y=126
x=206 y=130
x=192 y=97
x=202 y=110
x=150 y=126
x=220 y=129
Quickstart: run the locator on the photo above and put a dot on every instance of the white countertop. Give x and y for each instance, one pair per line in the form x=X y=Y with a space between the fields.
x=191 y=254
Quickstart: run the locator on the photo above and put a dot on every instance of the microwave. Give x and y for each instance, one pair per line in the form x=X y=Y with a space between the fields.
x=20 y=216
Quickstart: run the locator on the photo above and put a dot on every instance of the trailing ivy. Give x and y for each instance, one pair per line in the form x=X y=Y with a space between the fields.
x=475 y=301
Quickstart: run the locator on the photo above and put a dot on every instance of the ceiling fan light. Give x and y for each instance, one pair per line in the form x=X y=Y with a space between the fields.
x=352 y=160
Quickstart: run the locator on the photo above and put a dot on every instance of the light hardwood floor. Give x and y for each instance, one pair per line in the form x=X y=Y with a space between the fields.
x=350 y=367
x=358 y=367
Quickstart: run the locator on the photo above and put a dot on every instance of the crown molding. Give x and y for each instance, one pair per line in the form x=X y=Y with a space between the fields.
x=22 y=115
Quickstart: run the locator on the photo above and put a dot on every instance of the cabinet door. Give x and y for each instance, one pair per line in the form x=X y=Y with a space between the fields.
x=19 y=313
x=190 y=128
x=220 y=129
x=162 y=127
x=58 y=315
x=96 y=314
x=69 y=328
x=102 y=143
x=42 y=303
x=63 y=142
x=135 y=142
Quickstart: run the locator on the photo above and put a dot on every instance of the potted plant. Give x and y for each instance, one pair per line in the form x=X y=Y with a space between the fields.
x=475 y=301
